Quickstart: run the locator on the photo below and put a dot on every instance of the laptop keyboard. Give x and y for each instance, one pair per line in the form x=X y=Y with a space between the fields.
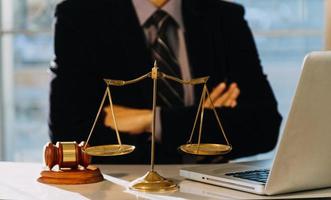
x=260 y=175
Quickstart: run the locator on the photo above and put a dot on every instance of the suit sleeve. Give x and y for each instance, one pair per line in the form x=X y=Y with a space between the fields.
x=253 y=126
x=76 y=88
x=77 y=85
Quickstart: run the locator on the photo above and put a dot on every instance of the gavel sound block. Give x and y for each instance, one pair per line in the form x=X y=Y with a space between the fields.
x=68 y=164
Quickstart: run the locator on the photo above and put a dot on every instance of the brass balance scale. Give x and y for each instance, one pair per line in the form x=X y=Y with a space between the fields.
x=152 y=181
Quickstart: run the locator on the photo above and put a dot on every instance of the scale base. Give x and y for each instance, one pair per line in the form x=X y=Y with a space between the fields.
x=153 y=182
x=71 y=176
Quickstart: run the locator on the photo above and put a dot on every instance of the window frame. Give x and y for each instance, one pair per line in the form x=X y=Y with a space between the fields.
x=6 y=78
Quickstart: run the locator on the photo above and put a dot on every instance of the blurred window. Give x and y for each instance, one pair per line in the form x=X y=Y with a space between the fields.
x=26 y=46
x=285 y=31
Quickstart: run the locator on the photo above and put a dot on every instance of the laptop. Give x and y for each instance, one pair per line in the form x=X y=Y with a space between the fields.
x=302 y=159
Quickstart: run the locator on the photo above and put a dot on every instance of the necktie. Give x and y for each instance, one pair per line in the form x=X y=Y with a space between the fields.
x=170 y=94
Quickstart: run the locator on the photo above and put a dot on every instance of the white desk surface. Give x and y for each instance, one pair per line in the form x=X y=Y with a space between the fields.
x=18 y=181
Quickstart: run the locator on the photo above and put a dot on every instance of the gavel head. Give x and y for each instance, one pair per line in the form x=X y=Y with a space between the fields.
x=66 y=155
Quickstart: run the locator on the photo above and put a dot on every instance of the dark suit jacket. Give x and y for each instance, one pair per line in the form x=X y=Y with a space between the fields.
x=103 y=39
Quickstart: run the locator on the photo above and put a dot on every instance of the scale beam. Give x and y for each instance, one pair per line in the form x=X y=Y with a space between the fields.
x=152 y=181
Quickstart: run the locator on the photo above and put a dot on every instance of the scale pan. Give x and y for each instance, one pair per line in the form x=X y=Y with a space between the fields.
x=109 y=150
x=205 y=149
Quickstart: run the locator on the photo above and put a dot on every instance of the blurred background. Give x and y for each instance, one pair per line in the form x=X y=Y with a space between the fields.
x=284 y=31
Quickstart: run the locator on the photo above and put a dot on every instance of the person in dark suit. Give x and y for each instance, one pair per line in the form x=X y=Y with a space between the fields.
x=108 y=39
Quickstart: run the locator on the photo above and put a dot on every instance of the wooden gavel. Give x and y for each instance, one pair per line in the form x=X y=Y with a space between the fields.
x=66 y=155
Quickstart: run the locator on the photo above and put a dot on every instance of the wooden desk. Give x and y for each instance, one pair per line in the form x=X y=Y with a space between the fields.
x=18 y=181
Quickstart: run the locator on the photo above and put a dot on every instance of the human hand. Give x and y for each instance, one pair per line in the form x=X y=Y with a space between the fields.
x=222 y=96
x=129 y=120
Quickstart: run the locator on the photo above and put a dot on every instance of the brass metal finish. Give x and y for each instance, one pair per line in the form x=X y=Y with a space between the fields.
x=195 y=81
x=205 y=149
x=109 y=150
x=69 y=152
x=153 y=182
x=123 y=83
x=154 y=77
